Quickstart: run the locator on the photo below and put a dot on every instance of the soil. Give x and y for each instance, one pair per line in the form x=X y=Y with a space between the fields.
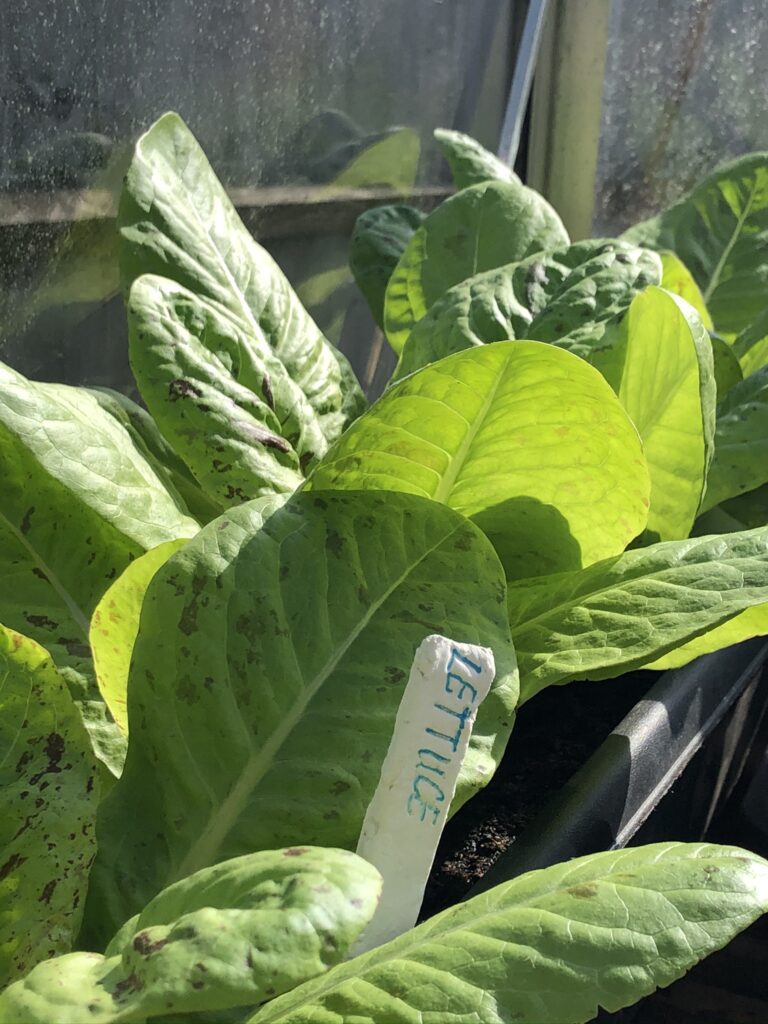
x=555 y=733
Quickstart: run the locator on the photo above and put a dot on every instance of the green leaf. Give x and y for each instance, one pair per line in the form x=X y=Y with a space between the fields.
x=726 y=365
x=230 y=935
x=156 y=450
x=678 y=279
x=115 y=624
x=79 y=501
x=177 y=221
x=741 y=441
x=751 y=346
x=659 y=362
x=482 y=227
x=469 y=162
x=625 y=612
x=720 y=232
x=566 y=297
x=377 y=243
x=270 y=662
x=227 y=405
x=750 y=623
x=389 y=162
x=48 y=795
x=745 y=511
x=526 y=439
x=552 y=946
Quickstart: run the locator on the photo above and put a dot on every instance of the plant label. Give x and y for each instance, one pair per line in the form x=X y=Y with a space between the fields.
x=406 y=816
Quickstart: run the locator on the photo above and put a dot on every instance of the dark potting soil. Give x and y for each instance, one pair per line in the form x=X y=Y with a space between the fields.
x=555 y=733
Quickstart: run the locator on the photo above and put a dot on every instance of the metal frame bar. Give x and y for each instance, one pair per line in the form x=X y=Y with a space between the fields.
x=520 y=88
x=615 y=792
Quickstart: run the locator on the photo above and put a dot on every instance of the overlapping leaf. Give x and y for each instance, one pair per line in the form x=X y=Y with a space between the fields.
x=720 y=232
x=552 y=946
x=659 y=362
x=678 y=279
x=741 y=441
x=566 y=297
x=156 y=450
x=270 y=662
x=79 y=501
x=747 y=624
x=751 y=346
x=482 y=227
x=115 y=623
x=231 y=411
x=625 y=612
x=48 y=795
x=471 y=163
x=377 y=243
x=176 y=221
x=727 y=368
x=526 y=439
x=231 y=935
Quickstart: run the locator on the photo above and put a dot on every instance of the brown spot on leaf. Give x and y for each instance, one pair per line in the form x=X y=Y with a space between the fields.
x=41 y=621
x=295 y=851
x=584 y=892
x=144 y=945
x=25 y=522
x=181 y=388
x=132 y=983
x=45 y=895
x=14 y=861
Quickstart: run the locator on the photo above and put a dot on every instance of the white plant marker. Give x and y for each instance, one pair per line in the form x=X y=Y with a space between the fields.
x=406 y=815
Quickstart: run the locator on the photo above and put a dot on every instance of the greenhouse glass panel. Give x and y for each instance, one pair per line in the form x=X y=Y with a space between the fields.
x=684 y=90
x=285 y=98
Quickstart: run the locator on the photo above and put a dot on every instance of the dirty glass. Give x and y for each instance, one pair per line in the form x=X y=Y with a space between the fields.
x=686 y=83
x=284 y=95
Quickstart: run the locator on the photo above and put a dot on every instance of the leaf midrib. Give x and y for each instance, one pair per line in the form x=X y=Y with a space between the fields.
x=329 y=985
x=579 y=599
x=458 y=459
x=714 y=280
x=226 y=814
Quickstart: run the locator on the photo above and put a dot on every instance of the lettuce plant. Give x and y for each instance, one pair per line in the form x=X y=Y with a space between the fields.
x=661 y=334
x=215 y=603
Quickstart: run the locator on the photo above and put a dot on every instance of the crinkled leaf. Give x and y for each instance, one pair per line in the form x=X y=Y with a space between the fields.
x=227 y=936
x=78 y=502
x=741 y=441
x=114 y=626
x=659 y=362
x=482 y=227
x=751 y=345
x=261 y=639
x=566 y=297
x=550 y=947
x=726 y=365
x=471 y=163
x=377 y=243
x=227 y=405
x=625 y=612
x=678 y=279
x=526 y=439
x=177 y=221
x=720 y=232
x=48 y=795
x=750 y=623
